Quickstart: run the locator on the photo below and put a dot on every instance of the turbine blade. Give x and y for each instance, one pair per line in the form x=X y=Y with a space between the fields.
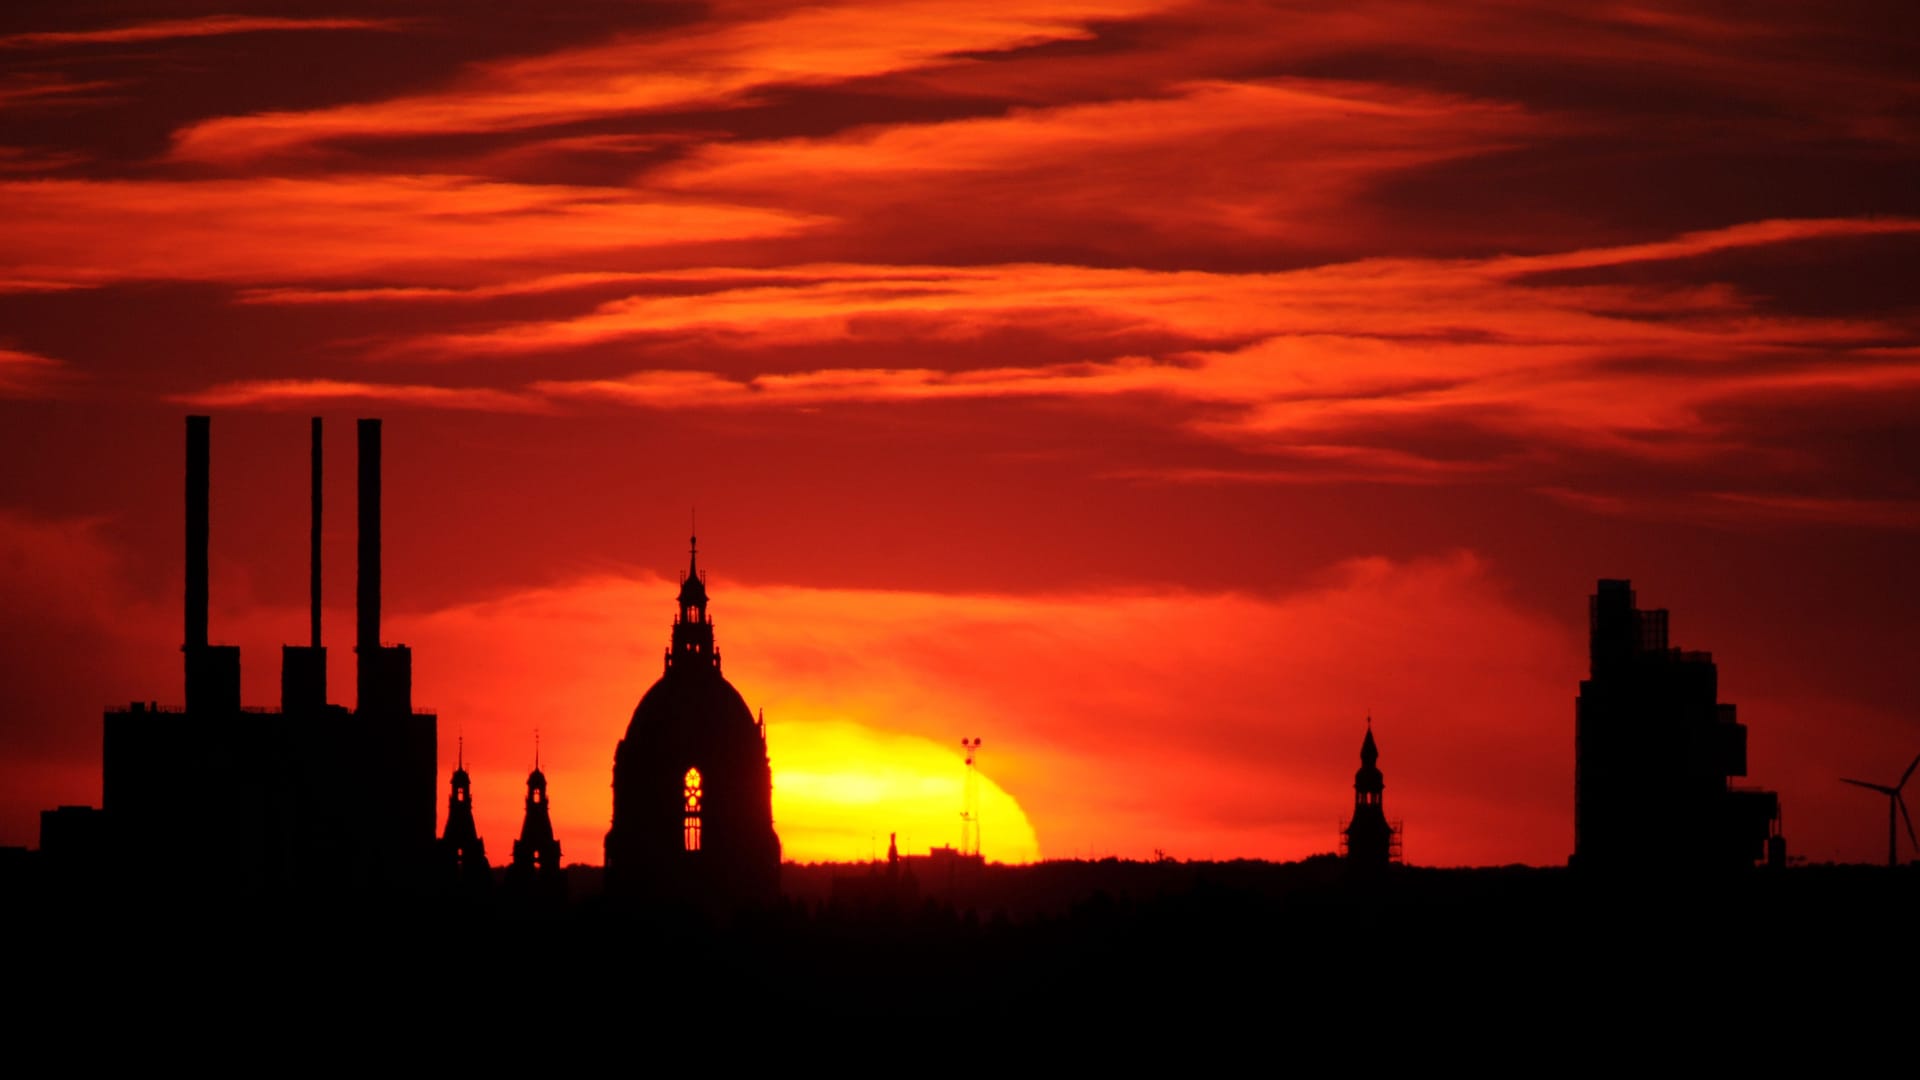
x=1909 y=772
x=1881 y=788
x=1902 y=804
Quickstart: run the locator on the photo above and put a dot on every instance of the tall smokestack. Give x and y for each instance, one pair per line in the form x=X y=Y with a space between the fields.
x=213 y=671
x=303 y=668
x=197 y=483
x=368 y=637
x=313 y=543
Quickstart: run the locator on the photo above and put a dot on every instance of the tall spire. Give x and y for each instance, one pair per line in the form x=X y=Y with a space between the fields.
x=1370 y=840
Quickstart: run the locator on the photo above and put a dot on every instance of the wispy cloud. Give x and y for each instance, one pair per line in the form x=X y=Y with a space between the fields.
x=25 y=374
x=201 y=26
x=744 y=48
x=269 y=229
x=300 y=393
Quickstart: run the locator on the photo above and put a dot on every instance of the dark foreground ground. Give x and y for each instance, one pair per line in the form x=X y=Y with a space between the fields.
x=1251 y=952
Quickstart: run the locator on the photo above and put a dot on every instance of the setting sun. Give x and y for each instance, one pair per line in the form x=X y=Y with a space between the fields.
x=840 y=788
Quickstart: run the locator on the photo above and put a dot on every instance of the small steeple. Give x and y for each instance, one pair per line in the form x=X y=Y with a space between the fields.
x=693 y=589
x=464 y=853
x=536 y=780
x=536 y=855
x=1369 y=838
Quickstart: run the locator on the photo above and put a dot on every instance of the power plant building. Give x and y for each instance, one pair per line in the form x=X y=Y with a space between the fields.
x=1655 y=751
x=311 y=794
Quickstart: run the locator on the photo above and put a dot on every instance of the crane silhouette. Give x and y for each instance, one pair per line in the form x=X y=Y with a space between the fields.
x=1895 y=803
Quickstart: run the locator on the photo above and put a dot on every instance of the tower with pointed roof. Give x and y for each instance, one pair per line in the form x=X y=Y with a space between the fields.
x=1370 y=840
x=536 y=855
x=463 y=853
x=692 y=785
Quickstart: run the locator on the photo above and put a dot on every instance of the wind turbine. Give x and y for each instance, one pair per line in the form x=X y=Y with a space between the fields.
x=1894 y=802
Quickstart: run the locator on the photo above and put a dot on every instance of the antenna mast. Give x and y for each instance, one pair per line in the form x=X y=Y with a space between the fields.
x=970 y=802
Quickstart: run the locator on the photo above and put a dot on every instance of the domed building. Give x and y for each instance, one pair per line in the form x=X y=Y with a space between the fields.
x=692 y=786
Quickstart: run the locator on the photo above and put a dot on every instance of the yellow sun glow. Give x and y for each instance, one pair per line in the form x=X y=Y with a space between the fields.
x=839 y=788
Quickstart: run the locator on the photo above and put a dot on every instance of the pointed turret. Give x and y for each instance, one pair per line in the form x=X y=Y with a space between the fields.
x=536 y=855
x=463 y=852
x=1368 y=784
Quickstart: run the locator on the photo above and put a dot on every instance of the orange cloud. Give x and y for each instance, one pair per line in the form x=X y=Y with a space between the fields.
x=301 y=393
x=1425 y=302
x=1358 y=347
x=1280 y=155
x=1314 y=364
x=747 y=47
x=270 y=229
x=1709 y=241
x=529 y=287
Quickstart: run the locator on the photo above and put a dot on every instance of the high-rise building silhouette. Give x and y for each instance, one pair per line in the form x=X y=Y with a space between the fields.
x=692 y=784
x=1370 y=840
x=1655 y=751
x=217 y=796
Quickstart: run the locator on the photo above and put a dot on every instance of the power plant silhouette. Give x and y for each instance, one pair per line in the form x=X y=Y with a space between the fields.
x=313 y=795
x=1654 y=753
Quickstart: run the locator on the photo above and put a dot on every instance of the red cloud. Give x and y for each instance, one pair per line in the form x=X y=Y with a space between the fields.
x=202 y=26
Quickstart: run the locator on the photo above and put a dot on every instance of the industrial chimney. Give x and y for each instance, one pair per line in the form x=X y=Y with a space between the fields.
x=198 y=464
x=213 y=671
x=303 y=668
x=385 y=672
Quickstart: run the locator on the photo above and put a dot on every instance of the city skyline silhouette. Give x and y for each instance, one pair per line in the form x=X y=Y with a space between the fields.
x=1152 y=391
x=314 y=799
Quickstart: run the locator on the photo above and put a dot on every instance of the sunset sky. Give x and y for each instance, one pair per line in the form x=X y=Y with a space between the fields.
x=1151 y=390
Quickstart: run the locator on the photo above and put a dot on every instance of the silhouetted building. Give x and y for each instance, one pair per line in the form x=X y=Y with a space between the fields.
x=884 y=886
x=463 y=852
x=692 y=786
x=536 y=855
x=74 y=841
x=945 y=871
x=216 y=796
x=1368 y=838
x=1654 y=751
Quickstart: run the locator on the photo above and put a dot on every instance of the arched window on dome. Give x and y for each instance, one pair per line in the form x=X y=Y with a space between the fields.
x=692 y=820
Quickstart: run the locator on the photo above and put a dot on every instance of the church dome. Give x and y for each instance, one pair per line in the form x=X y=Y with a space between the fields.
x=690 y=704
x=692 y=784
